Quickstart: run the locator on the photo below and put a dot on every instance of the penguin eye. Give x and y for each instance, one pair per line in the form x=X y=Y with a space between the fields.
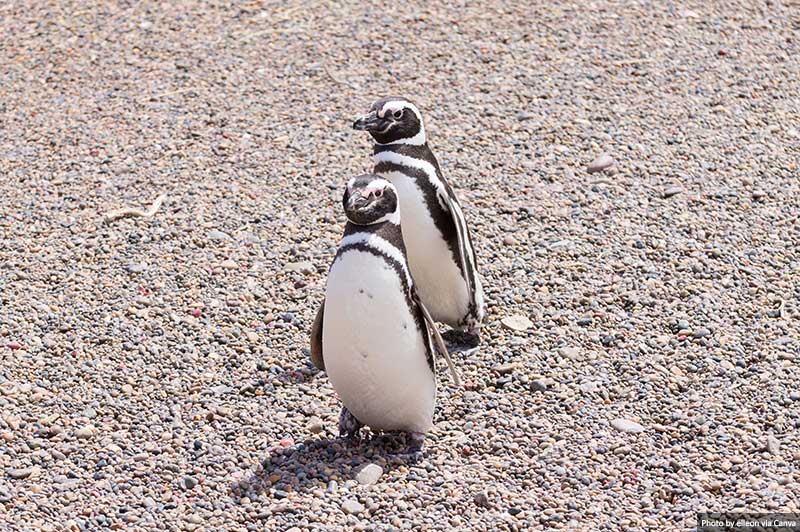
x=379 y=193
x=398 y=114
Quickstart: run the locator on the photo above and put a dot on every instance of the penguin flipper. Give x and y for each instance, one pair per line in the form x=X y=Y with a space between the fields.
x=466 y=251
x=438 y=341
x=316 y=338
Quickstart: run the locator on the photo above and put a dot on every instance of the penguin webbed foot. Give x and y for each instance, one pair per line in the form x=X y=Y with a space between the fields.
x=402 y=447
x=463 y=340
x=414 y=450
x=416 y=441
x=349 y=426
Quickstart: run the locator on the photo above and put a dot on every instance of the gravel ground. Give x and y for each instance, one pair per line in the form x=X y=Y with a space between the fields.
x=154 y=371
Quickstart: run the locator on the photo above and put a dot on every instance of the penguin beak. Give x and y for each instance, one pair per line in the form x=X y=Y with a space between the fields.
x=357 y=202
x=367 y=122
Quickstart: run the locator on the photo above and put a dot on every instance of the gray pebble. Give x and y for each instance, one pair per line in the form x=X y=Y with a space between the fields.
x=19 y=473
x=773 y=445
x=570 y=353
x=85 y=432
x=601 y=163
x=505 y=369
x=481 y=500
x=299 y=266
x=137 y=267
x=369 y=474
x=188 y=482
x=215 y=234
x=352 y=507
x=315 y=425
x=538 y=385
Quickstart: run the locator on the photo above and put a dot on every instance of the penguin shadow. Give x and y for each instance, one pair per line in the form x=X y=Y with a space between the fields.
x=316 y=464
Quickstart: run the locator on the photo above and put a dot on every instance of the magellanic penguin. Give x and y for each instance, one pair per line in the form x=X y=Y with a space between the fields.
x=372 y=336
x=436 y=235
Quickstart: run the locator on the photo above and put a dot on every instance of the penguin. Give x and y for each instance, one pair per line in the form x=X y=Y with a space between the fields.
x=436 y=235
x=372 y=334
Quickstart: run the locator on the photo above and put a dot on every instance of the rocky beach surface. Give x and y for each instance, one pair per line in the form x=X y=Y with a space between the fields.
x=630 y=174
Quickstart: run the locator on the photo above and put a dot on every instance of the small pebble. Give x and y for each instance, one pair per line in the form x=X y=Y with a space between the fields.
x=538 y=386
x=570 y=353
x=504 y=369
x=315 y=425
x=601 y=163
x=773 y=445
x=299 y=266
x=369 y=474
x=626 y=425
x=19 y=473
x=352 y=506
x=516 y=323
x=85 y=432
x=188 y=482
x=214 y=234
x=481 y=499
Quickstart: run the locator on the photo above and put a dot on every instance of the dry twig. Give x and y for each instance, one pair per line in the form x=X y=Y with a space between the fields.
x=337 y=80
x=132 y=211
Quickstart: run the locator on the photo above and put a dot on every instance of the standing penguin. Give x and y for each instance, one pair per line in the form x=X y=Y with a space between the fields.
x=436 y=235
x=372 y=336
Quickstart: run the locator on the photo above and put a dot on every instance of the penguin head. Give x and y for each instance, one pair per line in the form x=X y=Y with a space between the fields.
x=370 y=199
x=393 y=120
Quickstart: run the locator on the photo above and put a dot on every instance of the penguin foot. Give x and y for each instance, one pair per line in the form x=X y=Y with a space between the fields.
x=463 y=340
x=349 y=426
x=415 y=442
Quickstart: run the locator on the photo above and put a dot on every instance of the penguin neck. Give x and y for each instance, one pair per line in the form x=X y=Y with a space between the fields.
x=392 y=218
x=387 y=230
x=417 y=151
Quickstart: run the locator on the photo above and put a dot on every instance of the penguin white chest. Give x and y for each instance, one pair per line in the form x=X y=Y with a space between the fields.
x=437 y=276
x=375 y=354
